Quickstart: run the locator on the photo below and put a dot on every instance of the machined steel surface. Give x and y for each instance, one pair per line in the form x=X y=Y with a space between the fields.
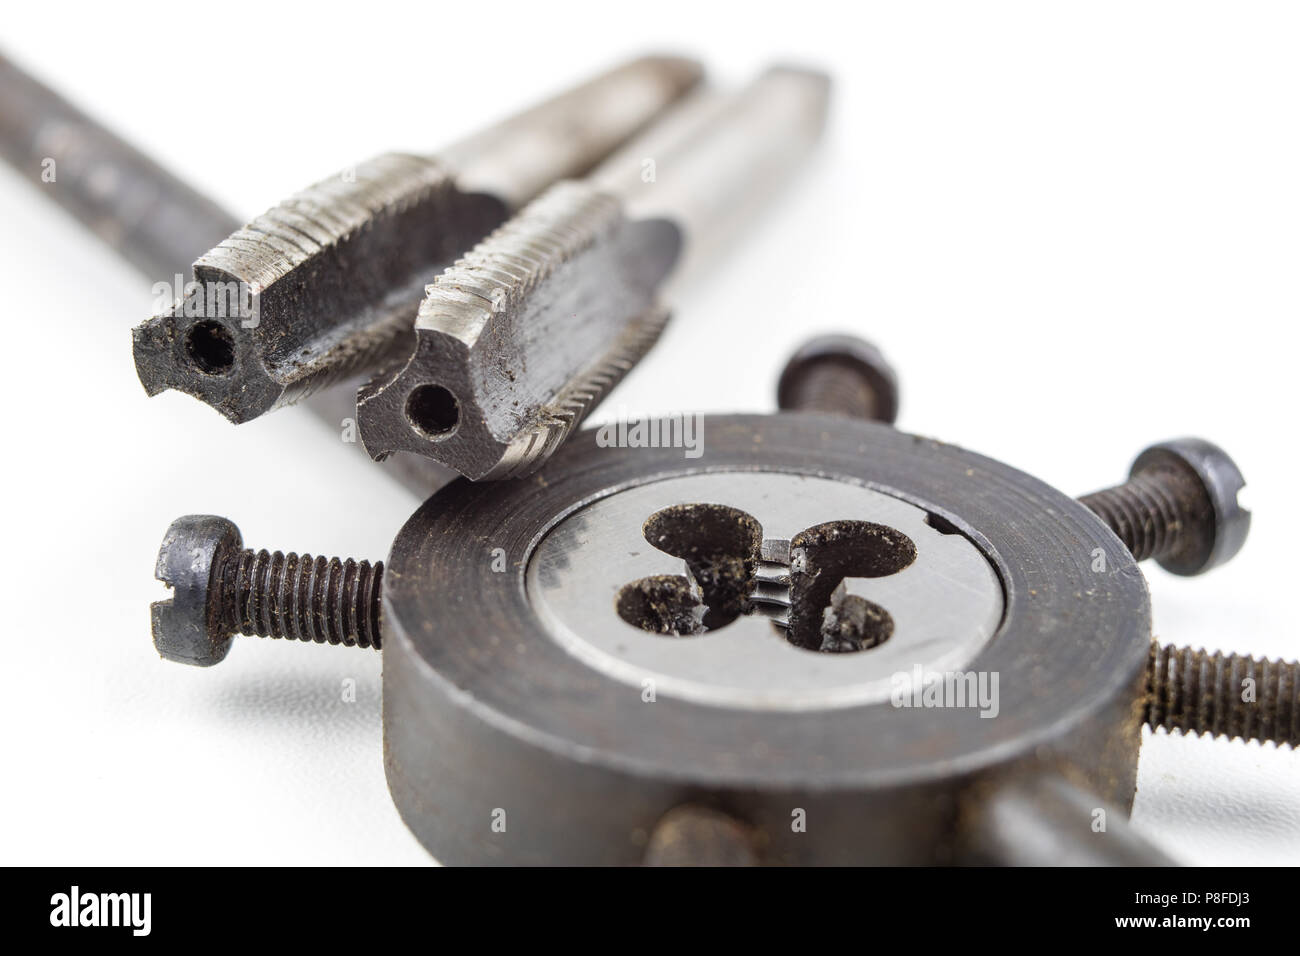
x=518 y=341
x=944 y=606
x=325 y=286
x=820 y=618
x=485 y=709
x=159 y=224
x=642 y=656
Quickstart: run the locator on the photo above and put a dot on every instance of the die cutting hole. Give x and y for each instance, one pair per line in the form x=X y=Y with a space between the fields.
x=432 y=411
x=851 y=624
x=720 y=546
x=808 y=586
x=827 y=562
x=661 y=604
x=210 y=347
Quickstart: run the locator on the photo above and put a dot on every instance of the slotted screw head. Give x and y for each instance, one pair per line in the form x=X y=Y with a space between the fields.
x=221 y=588
x=1223 y=524
x=188 y=628
x=1179 y=506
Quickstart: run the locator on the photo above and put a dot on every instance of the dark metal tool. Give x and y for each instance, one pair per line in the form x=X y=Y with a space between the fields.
x=644 y=656
x=220 y=588
x=981 y=575
x=325 y=285
x=723 y=659
x=159 y=224
x=521 y=338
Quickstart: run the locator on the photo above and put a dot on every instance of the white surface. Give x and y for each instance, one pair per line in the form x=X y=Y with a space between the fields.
x=1072 y=228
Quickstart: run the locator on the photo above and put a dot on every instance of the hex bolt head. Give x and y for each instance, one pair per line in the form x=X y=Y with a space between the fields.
x=1179 y=507
x=221 y=588
x=188 y=628
x=842 y=375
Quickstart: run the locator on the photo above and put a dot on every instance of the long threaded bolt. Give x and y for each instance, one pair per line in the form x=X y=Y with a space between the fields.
x=839 y=375
x=221 y=588
x=1179 y=507
x=1228 y=695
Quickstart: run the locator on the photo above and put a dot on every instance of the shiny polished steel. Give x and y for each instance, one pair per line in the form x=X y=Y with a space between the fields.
x=518 y=341
x=945 y=606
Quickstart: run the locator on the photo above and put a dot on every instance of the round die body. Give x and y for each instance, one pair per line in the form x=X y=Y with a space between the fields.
x=565 y=661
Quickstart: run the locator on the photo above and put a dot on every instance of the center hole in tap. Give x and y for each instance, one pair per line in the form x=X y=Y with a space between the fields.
x=433 y=411
x=210 y=347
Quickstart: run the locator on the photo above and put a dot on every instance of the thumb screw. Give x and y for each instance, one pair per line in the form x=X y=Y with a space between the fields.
x=840 y=375
x=220 y=588
x=1179 y=506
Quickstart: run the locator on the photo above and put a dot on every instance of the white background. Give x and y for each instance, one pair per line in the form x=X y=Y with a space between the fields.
x=1074 y=229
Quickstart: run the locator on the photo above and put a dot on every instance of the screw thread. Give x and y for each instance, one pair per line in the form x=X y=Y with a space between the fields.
x=303 y=598
x=1197 y=692
x=837 y=388
x=1146 y=512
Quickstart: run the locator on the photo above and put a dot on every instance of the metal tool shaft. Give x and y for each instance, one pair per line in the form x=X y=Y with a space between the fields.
x=1044 y=820
x=159 y=224
x=711 y=164
x=153 y=219
x=521 y=338
x=326 y=285
x=568 y=135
